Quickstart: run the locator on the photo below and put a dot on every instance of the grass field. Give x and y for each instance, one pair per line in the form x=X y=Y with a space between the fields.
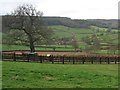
x=36 y=75
x=58 y=48
x=63 y=31
x=23 y=47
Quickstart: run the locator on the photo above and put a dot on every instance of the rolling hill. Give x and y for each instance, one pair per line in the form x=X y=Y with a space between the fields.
x=81 y=23
x=68 y=22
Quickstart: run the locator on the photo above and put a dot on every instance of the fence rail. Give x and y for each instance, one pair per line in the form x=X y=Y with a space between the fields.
x=81 y=59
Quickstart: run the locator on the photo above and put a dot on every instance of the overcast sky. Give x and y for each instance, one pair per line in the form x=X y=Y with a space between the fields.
x=75 y=9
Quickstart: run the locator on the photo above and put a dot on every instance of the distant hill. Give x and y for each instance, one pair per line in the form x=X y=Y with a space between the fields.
x=64 y=21
x=81 y=23
x=73 y=23
x=105 y=23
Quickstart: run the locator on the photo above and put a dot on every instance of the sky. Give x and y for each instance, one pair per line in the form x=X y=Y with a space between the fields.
x=75 y=9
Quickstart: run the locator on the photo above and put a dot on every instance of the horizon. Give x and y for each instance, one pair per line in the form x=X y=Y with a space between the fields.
x=80 y=18
x=70 y=18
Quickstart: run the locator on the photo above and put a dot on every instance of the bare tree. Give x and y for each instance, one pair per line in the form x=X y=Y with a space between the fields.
x=27 y=19
x=74 y=42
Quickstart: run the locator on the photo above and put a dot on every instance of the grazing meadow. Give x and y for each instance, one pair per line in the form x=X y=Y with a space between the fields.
x=36 y=75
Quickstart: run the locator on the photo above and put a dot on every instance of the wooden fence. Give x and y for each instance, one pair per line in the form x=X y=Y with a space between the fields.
x=81 y=59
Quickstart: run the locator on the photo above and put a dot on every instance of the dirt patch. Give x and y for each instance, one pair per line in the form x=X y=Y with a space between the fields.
x=49 y=78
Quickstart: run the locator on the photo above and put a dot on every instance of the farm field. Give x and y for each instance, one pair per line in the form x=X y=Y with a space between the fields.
x=47 y=52
x=23 y=47
x=36 y=75
x=58 y=48
x=63 y=31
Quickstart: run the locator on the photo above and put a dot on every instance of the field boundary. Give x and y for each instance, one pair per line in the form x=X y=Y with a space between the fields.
x=42 y=50
x=63 y=59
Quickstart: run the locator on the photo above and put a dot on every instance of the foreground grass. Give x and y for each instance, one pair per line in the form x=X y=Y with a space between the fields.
x=36 y=75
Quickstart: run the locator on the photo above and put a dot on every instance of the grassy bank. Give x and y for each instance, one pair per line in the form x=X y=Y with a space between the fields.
x=36 y=75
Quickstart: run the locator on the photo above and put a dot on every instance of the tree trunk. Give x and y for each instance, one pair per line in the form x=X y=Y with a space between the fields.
x=32 y=47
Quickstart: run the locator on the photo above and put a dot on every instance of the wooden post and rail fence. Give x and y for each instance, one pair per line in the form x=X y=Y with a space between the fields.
x=81 y=59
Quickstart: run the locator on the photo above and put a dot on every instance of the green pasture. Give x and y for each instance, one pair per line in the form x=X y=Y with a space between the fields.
x=36 y=75
x=57 y=48
x=62 y=31
x=22 y=47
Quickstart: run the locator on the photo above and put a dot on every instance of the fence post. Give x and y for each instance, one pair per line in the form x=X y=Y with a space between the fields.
x=108 y=60
x=63 y=59
x=92 y=60
x=73 y=60
x=69 y=59
x=83 y=60
x=118 y=59
x=34 y=57
x=100 y=60
x=40 y=59
x=28 y=57
x=52 y=59
x=115 y=60
x=14 y=57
